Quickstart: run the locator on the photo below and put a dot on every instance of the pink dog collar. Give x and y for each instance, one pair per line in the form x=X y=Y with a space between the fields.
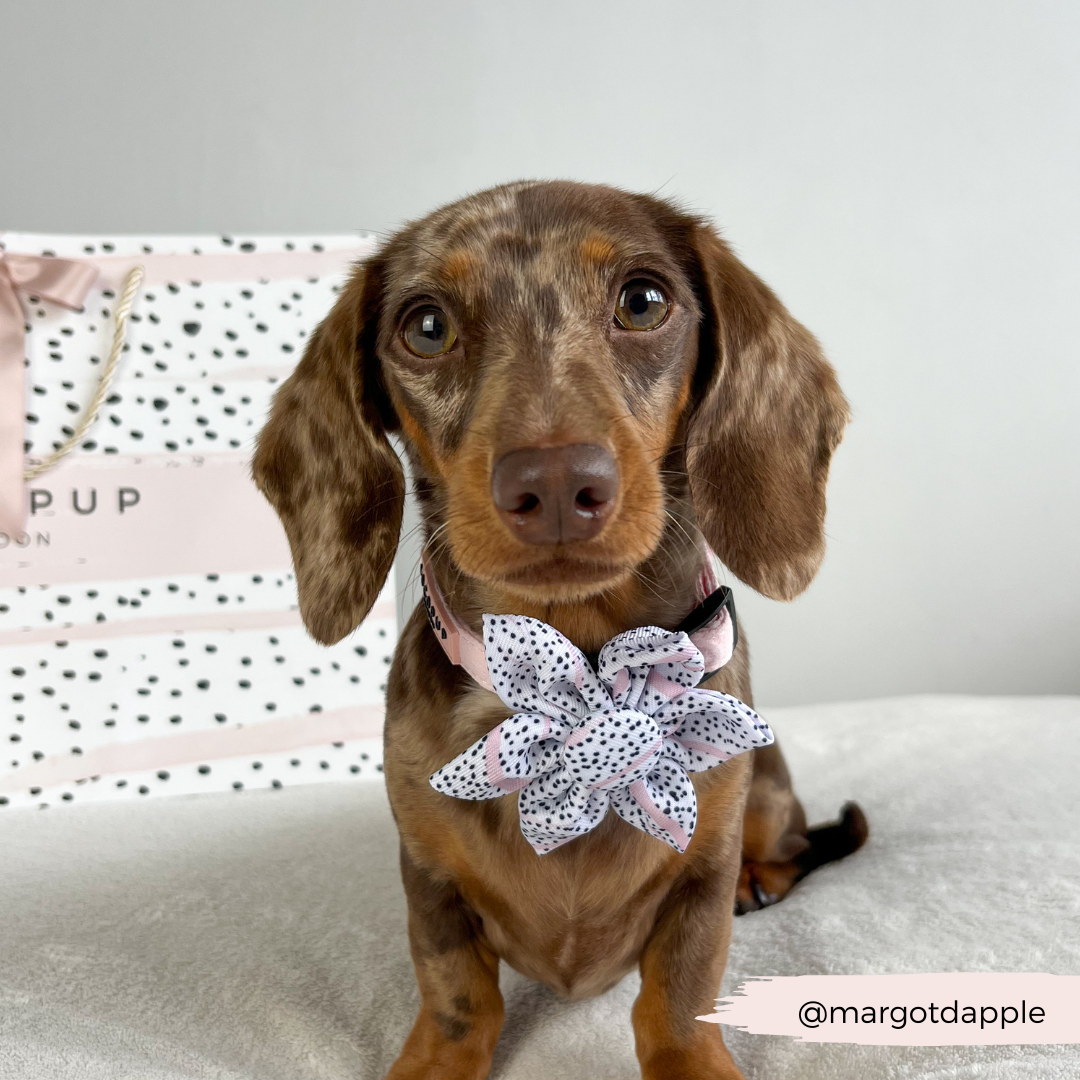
x=711 y=625
x=626 y=734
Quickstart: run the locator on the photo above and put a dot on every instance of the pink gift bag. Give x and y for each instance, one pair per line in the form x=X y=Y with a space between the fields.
x=150 y=642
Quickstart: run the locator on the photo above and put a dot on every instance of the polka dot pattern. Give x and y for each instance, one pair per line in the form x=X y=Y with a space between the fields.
x=116 y=672
x=202 y=360
x=626 y=735
x=108 y=664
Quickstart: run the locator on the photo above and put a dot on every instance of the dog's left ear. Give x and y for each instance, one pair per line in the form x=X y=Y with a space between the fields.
x=769 y=414
x=325 y=464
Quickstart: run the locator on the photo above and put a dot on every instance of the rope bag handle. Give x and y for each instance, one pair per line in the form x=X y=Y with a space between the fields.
x=93 y=406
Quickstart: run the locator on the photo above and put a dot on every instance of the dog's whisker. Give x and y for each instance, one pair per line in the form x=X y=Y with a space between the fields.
x=673 y=518
x=644 y=580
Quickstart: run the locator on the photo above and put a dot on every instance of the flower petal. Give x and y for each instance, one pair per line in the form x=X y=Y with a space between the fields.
x=658 y=665
x=612 y=747
x=704 y=727
x=533 y=668
x=554 y=809
x=663 y=804
x=505 y=759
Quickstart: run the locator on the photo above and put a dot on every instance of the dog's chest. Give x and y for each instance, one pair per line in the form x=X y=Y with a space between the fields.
x=572 y=918
x=575 y=918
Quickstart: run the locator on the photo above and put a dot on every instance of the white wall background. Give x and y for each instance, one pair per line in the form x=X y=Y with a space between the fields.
x=906 y=175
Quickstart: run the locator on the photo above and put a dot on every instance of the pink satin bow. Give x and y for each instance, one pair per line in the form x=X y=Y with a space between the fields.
x=60 y=281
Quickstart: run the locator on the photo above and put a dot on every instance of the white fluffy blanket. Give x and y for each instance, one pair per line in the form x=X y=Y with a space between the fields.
x=261 y=936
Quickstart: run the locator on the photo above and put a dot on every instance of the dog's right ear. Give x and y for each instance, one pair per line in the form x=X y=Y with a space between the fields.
x=327 y=468
x=764 y=429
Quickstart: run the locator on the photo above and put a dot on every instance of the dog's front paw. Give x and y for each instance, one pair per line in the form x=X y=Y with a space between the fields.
x=442 y=1046
x=446 y=1063
x=709 y=1062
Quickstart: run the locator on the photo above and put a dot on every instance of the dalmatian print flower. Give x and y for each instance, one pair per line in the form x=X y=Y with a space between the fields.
x=626 y=735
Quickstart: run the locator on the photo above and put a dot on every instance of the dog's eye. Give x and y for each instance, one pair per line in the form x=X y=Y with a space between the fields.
x=642 y=305
x=428 y=332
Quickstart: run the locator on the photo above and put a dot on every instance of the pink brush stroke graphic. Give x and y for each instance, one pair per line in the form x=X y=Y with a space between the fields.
x=943 y=1009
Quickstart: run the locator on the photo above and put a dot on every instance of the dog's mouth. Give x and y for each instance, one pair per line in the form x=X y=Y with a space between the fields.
x=568 y=571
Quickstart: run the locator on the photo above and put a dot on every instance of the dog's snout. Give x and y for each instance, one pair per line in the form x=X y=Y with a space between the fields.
x=556 y=494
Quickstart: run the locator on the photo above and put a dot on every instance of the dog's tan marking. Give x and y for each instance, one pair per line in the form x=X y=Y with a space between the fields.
x=458 y=267
x=597 y=249
x=415 y=432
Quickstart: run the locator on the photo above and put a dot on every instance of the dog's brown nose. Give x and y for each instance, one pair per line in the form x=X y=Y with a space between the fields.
x=556 y=494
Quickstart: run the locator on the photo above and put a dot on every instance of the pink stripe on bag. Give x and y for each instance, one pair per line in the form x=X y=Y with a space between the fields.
x=171 y=624
x=232 y=266
x=263 y=737
x=149 y=520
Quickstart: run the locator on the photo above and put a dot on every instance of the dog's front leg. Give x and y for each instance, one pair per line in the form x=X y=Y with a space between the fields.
x=681 y=968
x=461 y=1009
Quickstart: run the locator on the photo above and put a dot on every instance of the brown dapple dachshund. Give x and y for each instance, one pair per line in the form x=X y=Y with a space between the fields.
x=608 y=351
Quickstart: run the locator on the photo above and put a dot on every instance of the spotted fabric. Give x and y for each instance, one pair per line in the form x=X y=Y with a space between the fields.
x=626 y=735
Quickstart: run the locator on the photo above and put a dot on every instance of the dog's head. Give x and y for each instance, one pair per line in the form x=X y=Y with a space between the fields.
x=577 y=372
